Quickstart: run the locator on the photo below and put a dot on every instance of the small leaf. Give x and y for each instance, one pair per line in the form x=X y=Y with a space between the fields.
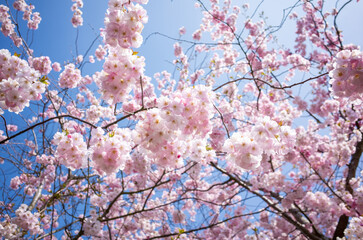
x=17 y=54
x=134 y=53
x=44 y=80
x=66 y=132
x=181 y=231
x=208 y=148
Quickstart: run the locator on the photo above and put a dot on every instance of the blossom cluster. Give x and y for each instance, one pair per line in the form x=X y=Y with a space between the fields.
x=121 y=71
x=77 y=19
x=71 y=150
x=111 y=151
x=27 y=221
x=245 y=149
x=124 y=23
x=355 y=229
x=181 y=61
x=8 y=230
x=19 y=83
x=70 y=77
x=100 y=53
x=158 y=140
x=178 y=129
x=7 y=27
x=42 y=64
x=347 y=74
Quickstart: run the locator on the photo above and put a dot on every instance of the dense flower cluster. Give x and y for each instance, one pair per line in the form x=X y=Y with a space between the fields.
x=8 y=230
x=111 y=151
x=124 y=23
x=347 y=75
x=178 y=129
x=245 y=149
x=355 y=229
x=27 y=221
x=71 y=150
x=42 y=64
x=19 y=83
x=121 y=72
x=70 y=77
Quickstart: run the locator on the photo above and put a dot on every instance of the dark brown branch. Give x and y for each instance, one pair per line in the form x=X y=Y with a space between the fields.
x=43 y=122
x=352 y=168
x=6 y=126
x=124 y=117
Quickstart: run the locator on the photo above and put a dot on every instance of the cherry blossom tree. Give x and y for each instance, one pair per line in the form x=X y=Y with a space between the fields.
x=246 y=139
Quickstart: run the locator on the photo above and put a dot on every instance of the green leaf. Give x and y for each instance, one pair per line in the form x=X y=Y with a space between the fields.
x=66 y=132
x=44 y=80
x=208 y=148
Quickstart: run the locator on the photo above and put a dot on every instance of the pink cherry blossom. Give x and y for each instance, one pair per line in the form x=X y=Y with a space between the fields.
x=70 y=77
